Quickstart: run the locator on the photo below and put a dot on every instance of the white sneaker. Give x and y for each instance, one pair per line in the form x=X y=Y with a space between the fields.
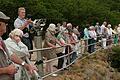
x=54 y=75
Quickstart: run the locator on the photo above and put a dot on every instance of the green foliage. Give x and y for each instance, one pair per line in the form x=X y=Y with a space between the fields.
x=114 y=57
x=78 y=12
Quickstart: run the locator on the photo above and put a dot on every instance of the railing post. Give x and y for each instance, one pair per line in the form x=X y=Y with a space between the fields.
x=69 y=57
x=38 y=45
x=81 y=47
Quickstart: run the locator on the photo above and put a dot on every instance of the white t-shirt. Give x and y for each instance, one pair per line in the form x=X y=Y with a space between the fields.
x=62 y=28
x=93 y=34
x=102 y=28
x=109 y=31
x=118 y=29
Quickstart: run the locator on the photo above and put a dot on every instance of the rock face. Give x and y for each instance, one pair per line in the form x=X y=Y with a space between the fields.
x=94 y=67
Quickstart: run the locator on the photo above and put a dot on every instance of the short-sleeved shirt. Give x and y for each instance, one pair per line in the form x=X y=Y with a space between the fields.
x=102 y=28
x=98 y=29
x=92 y=34
x=86 y=33
x=49 y=54
x=61 y=36
x=20 y=22
x=109 y=30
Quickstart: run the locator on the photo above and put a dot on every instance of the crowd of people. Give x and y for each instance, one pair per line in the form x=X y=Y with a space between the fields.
x=103 y=34
x=66 y=36
x=60 y=36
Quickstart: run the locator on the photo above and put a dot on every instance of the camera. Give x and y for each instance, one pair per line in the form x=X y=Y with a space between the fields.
x=38 y=25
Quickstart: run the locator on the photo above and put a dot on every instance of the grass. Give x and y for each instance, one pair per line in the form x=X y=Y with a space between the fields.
x=94 y=67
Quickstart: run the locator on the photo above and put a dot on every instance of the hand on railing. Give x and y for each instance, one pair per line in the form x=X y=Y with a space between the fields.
x=54 y=47
x=62 y=45
x=31 y=68
x=34 y=69
x=66 y=44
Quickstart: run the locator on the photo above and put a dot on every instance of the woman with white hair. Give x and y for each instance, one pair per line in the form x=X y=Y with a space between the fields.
x=14 y=44
x=50 y=41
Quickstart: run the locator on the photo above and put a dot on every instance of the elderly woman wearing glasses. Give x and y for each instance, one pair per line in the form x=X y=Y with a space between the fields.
x=14 y=44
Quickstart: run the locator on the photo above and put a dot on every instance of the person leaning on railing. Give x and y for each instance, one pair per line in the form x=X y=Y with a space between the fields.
x=86 y=37
x=72 y=41
x=14 y=44
x=92 y=40
x=104 y=38
x=115 y=35
x=109 y=37
x=118 y=30
x=99 y=32
x=50 y=41
x=7 y=69
x=62 y=38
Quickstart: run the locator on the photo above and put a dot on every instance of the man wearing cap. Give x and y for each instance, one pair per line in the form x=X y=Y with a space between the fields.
x=7 y=69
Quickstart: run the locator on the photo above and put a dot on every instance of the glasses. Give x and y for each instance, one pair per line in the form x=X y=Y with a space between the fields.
x=18 y=36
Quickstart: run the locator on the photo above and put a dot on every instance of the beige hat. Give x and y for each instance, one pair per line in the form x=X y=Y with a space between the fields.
x=3 y=17
x=52 y=27
x=16 y=32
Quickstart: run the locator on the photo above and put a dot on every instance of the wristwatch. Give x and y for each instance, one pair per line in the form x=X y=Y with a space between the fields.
x=23 y=63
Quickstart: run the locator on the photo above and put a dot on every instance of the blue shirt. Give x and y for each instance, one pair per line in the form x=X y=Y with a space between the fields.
x=86 y=33
x=20 y=22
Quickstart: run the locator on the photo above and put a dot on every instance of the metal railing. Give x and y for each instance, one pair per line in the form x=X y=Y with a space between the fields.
x=66 y=55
